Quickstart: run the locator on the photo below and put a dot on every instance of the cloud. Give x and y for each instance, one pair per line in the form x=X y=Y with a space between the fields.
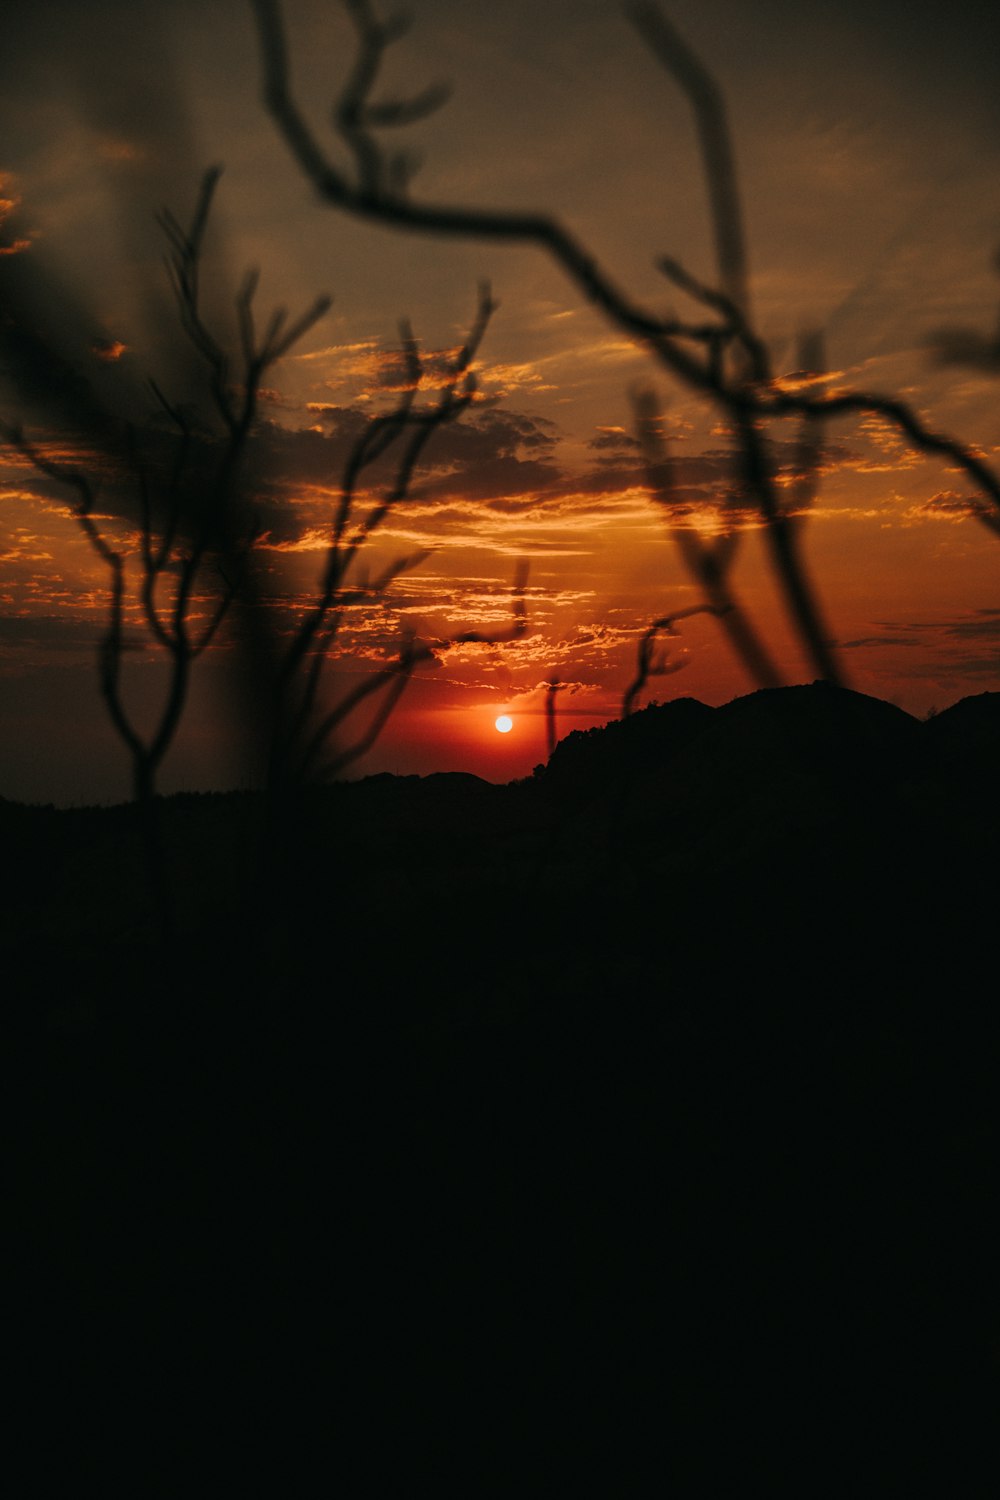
x=946 y=505
x=109 y=350
x=982 y=624
x=367 y=370
x=932 y=635
x=879 y=640
x=25 y=547
x=31 y=641
x=614 y=439
x=10 y=202
x=490 y=455
x=496 y=469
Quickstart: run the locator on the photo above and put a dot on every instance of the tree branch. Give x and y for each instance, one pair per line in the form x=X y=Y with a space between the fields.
x=746 y=398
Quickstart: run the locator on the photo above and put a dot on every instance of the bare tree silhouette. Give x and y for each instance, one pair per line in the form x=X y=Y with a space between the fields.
x=300 y=743
x=195 y=526
x=723 y=359
x=193 y=492
x=187 y=507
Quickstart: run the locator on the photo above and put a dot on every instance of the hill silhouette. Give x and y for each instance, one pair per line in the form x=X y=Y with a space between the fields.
x=843 y=808
x=682 y=1049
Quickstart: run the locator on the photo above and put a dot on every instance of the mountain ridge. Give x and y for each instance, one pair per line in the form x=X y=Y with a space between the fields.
x=835 y=804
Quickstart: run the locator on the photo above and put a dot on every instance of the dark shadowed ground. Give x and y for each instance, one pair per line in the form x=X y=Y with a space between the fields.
x=635 y=1119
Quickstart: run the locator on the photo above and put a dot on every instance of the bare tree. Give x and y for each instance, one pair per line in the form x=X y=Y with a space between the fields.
x=193 y=491
x=195 y=529
x=192 y=507
x=721 y=357
x=300 y=743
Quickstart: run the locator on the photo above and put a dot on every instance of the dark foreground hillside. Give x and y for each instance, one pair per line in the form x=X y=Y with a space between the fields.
x=639 y=1113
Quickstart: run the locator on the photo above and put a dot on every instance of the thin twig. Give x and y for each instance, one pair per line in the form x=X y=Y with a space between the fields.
x=647 y=666
x=709 y=560
x=409 y=429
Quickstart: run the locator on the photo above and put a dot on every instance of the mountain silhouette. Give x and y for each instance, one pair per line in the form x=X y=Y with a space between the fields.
x=841 y=808
x=815 y=729
x=588 y=760
x=965 y=739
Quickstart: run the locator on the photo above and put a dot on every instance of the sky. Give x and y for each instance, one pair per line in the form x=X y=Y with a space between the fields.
x=868 y=156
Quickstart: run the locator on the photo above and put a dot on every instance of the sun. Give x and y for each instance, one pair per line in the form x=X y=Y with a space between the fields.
x=504 y=723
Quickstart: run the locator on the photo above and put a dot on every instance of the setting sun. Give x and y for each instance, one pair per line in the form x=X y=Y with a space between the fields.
x=504 y=723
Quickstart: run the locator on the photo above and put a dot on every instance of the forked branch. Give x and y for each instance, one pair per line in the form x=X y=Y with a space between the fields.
x=407 y=428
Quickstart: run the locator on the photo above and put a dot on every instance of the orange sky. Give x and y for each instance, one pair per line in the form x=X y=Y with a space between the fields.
x=871 y=212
